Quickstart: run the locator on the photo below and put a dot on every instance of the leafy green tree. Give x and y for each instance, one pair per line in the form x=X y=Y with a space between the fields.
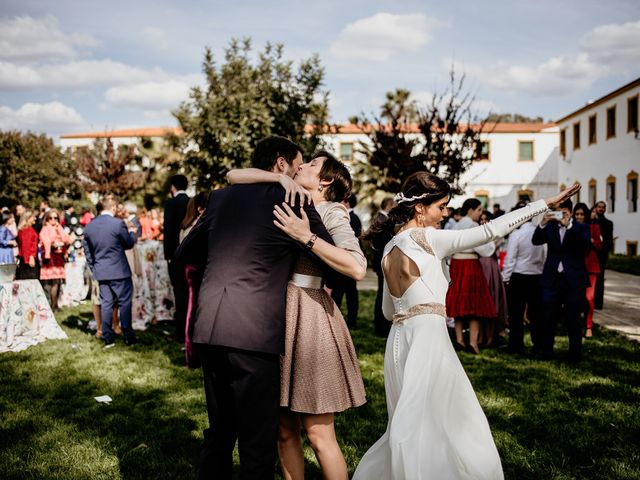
x=32 y=168
x=244 y=101
x=513 y=118
x=103 y=169
x=442 y=136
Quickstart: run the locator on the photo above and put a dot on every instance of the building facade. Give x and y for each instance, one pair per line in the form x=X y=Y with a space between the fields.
x=600 y=149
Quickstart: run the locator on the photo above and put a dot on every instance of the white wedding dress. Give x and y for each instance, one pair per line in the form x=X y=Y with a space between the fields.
x=437 y=429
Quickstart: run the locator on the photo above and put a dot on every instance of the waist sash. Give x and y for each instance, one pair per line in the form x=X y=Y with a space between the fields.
x=307 y=281
x=465 y=256
x=420 y=309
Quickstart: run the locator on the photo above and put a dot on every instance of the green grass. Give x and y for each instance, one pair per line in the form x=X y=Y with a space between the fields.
x=550 y=420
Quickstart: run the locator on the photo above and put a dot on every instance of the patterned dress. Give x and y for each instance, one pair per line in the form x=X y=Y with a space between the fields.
x=319 y=372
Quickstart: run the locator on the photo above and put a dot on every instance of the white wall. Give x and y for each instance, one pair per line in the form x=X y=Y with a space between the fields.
x=616 y=157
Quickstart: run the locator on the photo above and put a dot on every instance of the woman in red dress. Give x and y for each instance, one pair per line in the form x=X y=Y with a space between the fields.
x=54 y=243
x=29 y=266
x=582 y=214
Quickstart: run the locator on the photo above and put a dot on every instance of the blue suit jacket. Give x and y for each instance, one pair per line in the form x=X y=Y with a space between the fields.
x=570 y=252
x=105 y=240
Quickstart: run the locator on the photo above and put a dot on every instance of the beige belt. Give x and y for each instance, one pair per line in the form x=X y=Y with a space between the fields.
x=465 y=256
x=420 y=309
x=307 y=281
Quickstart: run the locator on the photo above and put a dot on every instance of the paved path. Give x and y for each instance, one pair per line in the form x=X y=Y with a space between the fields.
x=621 y=302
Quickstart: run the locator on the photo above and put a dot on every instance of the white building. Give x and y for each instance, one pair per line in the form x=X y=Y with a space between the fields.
x=520 y=161
x=129 y=136
x=600 y=149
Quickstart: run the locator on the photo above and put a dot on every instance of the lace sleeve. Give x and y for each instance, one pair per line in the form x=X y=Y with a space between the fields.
x=420 y=237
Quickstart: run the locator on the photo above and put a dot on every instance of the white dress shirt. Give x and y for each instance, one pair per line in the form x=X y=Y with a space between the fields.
x=523 y=256
x=485 y=250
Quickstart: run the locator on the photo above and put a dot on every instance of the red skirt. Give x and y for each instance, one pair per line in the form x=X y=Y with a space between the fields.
x=468 y=294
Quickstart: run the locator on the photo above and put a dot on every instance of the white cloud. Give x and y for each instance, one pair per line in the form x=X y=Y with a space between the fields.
x=29 y=39
x=150 y=95
x=380 y=36
x=85 y=73
x=48 y=117
x=614 y=45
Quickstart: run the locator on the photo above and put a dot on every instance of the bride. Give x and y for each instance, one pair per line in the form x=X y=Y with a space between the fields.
x=436 y=427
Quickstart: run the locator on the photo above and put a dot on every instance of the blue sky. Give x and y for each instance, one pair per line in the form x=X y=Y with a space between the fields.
x=69 y=66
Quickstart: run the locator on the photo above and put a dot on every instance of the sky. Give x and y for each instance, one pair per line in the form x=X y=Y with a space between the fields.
x=77 y=66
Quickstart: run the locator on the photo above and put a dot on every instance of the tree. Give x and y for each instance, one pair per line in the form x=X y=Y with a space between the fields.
x=442 y=137
x=32 y=168
x=513 y=118
x=104 y=169
x=244 y=102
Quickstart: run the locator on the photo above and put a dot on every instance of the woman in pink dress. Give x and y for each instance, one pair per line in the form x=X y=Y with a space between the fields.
x=54 y=242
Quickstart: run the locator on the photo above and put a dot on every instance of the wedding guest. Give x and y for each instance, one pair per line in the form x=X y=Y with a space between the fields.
x=606 y=230
x=378 y=242
x=195 y=209
x=43 y=209
x=29 y=266
x=345 y=285
x=522 y=273
x=54 y=242
x=7 y=238
x=564 y=277
x=175 y=210
x=319 y=372
x=155 y=225
x=492 y=327
x=18 y=211
x=145 y=224
x=105 y=240
x=12 y=225
x=497 y=211
x=582 y=214
x=453 y=218
x=87 y=216
x=69 y=213
x=469 y=298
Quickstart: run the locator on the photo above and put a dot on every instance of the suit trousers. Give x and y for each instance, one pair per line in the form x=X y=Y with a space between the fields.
x=243 y=399
x=598 y=298
x=559 y=295
x=381 y=326
x=181 y=296
x=116 y=292
x=524 y=292
x=348 y=287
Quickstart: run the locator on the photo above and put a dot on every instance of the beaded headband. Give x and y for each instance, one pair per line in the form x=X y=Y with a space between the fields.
x=400 y=198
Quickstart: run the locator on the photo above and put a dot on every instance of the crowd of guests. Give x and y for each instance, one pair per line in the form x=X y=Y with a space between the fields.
x=542 y=272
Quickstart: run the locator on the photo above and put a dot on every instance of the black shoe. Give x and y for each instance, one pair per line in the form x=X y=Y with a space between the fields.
x=108 y=343
x=131 y=341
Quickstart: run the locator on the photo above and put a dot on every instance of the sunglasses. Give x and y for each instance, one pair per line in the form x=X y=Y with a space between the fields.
x=53 y=218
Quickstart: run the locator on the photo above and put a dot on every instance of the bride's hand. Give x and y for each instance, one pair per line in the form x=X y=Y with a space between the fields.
x=553 y=202
x=294 y=226
x=292 y=189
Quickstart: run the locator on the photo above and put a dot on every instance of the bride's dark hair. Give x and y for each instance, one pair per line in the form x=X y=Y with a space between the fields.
x=416 y=185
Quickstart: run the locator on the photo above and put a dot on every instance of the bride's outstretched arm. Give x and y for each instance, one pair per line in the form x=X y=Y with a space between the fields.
x=255 y=175
x=339 y=259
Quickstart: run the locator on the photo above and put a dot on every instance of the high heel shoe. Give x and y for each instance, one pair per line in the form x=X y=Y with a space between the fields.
x=474 y=350
x=459 y=347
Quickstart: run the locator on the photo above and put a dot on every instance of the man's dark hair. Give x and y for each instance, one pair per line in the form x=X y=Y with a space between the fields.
x=353 y=201
x=384 y=205
x=179 y=181
x=469 y=204
x=270 y=148
x=496 y=205
x=335 y=171
x=567 y=204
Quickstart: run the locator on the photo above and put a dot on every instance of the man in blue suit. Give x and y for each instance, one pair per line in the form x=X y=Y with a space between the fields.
x=564 y=277
x=105 y=240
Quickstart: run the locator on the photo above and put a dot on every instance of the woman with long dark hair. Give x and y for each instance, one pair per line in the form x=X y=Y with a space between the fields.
x=436 y=426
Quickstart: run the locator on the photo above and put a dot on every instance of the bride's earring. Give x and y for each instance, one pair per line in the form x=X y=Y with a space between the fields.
x=320 y=187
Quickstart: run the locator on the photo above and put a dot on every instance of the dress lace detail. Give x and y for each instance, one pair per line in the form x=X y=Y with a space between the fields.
x=420 y=309
x=419 y=236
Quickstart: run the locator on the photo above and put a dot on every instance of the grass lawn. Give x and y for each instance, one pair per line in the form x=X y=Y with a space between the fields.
x=549 y=420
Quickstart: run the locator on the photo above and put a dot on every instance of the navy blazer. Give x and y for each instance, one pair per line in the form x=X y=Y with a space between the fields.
x=247 y=263
x=105 y=240
x=571 y=252
x=175 y=210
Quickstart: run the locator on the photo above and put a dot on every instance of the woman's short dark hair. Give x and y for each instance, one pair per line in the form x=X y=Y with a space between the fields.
x=469 y=204
x=585 y=209
x=270 y=148
x=334 y=171
x=416 y=185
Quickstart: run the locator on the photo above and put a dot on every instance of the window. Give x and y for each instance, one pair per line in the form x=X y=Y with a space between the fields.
x=576 y=136
x=346 y=152
x=485 y=151
x=632 y=248
x=592 y=130
x=632 y=114
x=563 y=142
x=611 y=122
x=579 y=195
x=525 y=151
x=563 y=187
x=632 y=192
x=483 y=196
x=525 y=195
x=611 y=193
x=593 y=192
